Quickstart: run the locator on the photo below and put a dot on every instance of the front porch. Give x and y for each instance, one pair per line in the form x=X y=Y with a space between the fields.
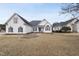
x=42 y=29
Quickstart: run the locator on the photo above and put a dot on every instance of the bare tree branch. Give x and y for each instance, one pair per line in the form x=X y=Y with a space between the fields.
x=72 y=8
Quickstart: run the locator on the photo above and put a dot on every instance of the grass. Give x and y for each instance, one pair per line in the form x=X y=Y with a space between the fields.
x=55 y=44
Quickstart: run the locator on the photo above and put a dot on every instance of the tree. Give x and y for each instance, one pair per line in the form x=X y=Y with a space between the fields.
x=2 y=27
x=71 y=8
x=65 y=29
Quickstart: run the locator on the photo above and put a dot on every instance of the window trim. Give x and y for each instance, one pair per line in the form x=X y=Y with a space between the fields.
x=47 y=28
x=10 y=29
x=20 y=29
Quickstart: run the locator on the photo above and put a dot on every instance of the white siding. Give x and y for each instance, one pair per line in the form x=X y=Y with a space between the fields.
x=50 y=28
x=45 y=23
x=20 y=23
x=71 y=24
x=76 y=27
x=28 y=29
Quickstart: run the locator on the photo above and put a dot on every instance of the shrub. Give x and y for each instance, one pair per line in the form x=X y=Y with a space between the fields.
x=65 y=29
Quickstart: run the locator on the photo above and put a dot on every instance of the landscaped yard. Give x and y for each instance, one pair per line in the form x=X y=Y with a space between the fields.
x=40 y=44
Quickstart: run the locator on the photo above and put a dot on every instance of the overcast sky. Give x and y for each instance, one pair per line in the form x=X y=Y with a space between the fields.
x=33 y=11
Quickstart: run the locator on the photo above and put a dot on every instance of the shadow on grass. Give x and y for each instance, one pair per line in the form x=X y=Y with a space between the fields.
x=21 y=36
x=29 y=36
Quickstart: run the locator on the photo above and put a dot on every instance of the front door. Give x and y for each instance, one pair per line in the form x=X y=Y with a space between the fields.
x=41 y=29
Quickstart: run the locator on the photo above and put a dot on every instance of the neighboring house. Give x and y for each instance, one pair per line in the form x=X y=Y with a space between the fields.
x=70 y=23
x=18 y=25
x=41 y=26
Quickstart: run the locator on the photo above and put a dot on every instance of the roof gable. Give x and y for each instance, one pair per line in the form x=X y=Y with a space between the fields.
x=19 y=17
x=44 y=22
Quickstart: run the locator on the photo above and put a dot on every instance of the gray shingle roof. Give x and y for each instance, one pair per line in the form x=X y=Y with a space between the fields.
x=63 y=23
x=24 y=19
x=58 y=24
x=35 y=22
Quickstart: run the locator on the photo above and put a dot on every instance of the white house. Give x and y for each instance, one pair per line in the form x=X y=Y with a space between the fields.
x=41 y=26
x=18 y=25
x=70 y=23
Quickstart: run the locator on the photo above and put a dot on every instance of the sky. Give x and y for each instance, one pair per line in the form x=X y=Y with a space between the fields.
x=33 y=11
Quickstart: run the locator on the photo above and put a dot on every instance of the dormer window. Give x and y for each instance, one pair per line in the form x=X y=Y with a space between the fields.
x=15 y=19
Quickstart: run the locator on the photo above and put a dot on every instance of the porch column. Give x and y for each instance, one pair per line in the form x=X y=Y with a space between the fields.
x=37 y=29
x=44 y=29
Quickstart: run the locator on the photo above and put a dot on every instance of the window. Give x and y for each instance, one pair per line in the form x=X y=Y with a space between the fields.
x=47 y=28
x=20 y=29
x=15 y=19
x=10 y=29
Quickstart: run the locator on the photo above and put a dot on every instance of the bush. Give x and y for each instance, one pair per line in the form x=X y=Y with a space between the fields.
x=65 y=29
